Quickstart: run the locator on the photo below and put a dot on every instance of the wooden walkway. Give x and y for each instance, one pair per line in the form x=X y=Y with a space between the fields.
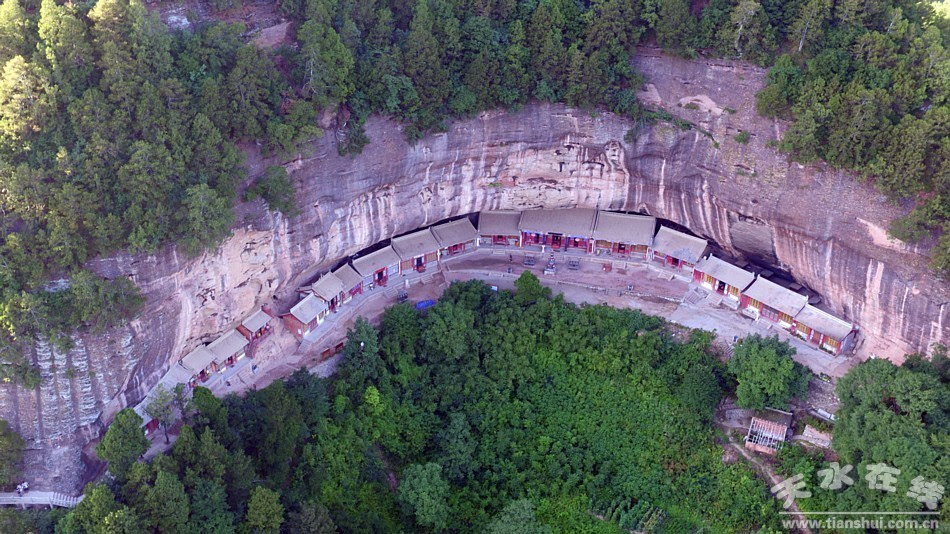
x=40 y=498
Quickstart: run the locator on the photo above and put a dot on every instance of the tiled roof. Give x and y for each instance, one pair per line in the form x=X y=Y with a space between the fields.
x=577 y=222
x=679 y=245
x=624 y=228
x=725 y=271
x=415 y=244
x=455 y=232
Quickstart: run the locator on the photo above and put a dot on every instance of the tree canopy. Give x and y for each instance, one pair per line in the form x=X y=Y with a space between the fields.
x=767 y=375
x=11 y=454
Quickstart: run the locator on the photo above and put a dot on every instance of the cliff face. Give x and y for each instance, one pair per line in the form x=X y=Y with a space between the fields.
x=820 y=225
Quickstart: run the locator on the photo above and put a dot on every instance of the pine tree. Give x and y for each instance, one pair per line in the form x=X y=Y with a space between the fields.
x=422 y=61
x=167 y=503
x=675 y=26
x=326 y=63
x=14 y=30
x=250 y=92
x=64 y=42
x=808 y=27
x=26 y=103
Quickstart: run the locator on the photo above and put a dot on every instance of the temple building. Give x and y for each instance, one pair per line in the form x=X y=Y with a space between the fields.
x=499 y=228
x=455 y=237
x=823 y=330
x=376 y=267
x=228 y=349
x=560 y=230
x=256 y=326
x=330 y=288
x=676 y=249
x=623 y=234
x=768 y=431
x=306 y=315
x=722 y=277
x=772 y=301
x=415 y=250
x=351 y=280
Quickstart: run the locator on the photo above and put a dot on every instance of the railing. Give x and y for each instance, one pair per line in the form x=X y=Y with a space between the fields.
x=40 y=498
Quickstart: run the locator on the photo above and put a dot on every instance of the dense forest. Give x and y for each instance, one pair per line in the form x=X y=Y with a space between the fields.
x=118 y=134
x=505 y=412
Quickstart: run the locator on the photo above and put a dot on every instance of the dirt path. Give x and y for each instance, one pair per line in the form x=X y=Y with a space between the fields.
x=762 y=469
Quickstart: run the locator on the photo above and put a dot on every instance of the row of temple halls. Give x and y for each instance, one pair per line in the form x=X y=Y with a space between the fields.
x=576 y=231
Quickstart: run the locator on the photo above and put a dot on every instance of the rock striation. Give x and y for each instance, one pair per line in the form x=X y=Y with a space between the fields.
x=821 y=226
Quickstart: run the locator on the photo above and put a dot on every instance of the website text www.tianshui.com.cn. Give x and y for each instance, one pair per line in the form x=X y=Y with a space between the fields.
x=861 y=522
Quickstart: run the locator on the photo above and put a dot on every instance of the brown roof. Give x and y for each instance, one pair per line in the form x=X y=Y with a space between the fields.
x=769 y=428
x=227 y=345
x=415 y=244
x=308 y=308
x=775 y=416
x=455 y=232
x=198 y=359
x=503 y=222
x=824 y=322
x=776 y=297
x=375 y=261
x=624 y=228
x=577 y=222
x=327 y=287
x=679 y=245
x=256 y=321
x=725 y=271
x=348 y=276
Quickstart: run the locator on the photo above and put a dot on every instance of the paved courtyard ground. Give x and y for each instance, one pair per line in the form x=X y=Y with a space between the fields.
x=623 y=284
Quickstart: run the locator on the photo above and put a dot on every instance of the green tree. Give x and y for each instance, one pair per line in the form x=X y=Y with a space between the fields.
x=422 y=61
x=160 y=407
x=64 y=42
x=530 y=289
x=785 y=83
x=211 y=413
x=265 y=514
x=167 y=503
x=250 y=89
x=766 y=373
x=124 y=442
x=89 y=515
x=26 y=106
x=457 y=448
x=311 y=518
x=675 y=26
x=517 y=517
x=749 y=34
x=207 y=218
x=810 y=24
x=423 y=493
x=14 y=30
x=327 y=65
x=276 y=189
x=209 y=509
x=11 y=454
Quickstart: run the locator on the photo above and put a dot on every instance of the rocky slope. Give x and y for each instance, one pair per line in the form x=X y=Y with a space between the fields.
x=820 y=225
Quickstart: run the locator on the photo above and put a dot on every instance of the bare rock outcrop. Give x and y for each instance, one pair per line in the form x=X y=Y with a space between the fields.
x=821 y=226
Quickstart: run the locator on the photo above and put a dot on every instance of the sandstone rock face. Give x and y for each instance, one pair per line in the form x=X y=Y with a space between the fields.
x=821 y=226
